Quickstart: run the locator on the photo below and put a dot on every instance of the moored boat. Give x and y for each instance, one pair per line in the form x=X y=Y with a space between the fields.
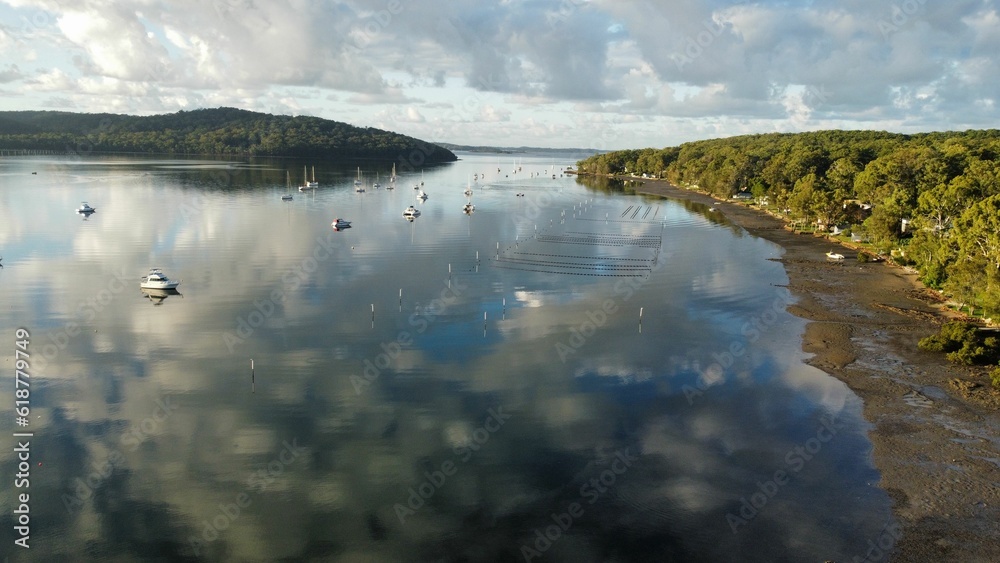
x=156 y=279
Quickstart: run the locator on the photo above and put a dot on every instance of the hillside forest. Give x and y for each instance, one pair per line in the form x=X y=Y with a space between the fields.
x=930 y=200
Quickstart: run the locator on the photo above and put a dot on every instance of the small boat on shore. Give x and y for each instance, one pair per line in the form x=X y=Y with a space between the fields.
x=836 y=257
x=156 y=279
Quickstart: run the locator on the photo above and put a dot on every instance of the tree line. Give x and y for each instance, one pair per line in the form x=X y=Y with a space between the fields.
x=933 y=199
x=218 y=131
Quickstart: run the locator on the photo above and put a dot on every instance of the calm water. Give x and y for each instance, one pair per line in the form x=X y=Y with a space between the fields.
x=408 y=401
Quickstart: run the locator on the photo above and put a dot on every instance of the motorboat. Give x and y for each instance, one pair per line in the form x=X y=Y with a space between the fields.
x=359 y=189
x=85 y=208
x=286 y=197
x=468 y=208
x=339 y=223
x=837 y=257
x=156 y=279
x=411 y=212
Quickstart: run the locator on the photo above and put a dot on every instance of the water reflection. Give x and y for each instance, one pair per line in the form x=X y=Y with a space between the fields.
x=410 y=400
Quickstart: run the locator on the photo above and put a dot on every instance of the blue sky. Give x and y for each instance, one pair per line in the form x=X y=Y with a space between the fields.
x=605 y=74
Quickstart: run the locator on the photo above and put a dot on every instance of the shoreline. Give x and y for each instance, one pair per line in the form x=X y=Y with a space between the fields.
x=935 y=427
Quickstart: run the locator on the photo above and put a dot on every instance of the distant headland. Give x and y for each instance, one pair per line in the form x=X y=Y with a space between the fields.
x=210 y=132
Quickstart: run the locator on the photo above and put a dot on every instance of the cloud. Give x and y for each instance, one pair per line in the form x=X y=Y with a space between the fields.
x=10 y=73
x=735 y=64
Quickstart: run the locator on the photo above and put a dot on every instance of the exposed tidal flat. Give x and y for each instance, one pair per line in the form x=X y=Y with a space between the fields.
x=577 y=374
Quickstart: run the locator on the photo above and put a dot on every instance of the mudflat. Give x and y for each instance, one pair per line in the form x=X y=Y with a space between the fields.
x=935 y=426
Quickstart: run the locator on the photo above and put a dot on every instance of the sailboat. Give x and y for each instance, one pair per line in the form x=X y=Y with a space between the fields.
x=468 y=208
x=307 y=185
x=288 y=186
x=376 y=185
x=392 y=179
x=314 y=183
x=358 y=186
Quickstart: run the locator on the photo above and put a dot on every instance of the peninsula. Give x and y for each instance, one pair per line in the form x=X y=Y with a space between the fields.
x=210 y=132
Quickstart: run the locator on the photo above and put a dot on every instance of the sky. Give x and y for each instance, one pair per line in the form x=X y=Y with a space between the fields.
x=603 y=74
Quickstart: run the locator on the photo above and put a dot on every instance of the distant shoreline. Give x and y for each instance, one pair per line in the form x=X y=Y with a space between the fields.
x=933 y=423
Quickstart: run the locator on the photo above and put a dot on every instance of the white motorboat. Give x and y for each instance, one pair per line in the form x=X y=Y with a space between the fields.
x=837 y=257
x=468 y=208
x=156 y=279
x=85 y=208
x=411 y=212
x=339 y=223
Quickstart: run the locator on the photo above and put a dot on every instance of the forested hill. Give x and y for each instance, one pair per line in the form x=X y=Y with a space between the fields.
x=220 y=131
x=933 y=199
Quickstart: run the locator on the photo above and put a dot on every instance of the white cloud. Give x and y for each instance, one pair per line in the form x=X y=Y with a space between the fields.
x=729 y=65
